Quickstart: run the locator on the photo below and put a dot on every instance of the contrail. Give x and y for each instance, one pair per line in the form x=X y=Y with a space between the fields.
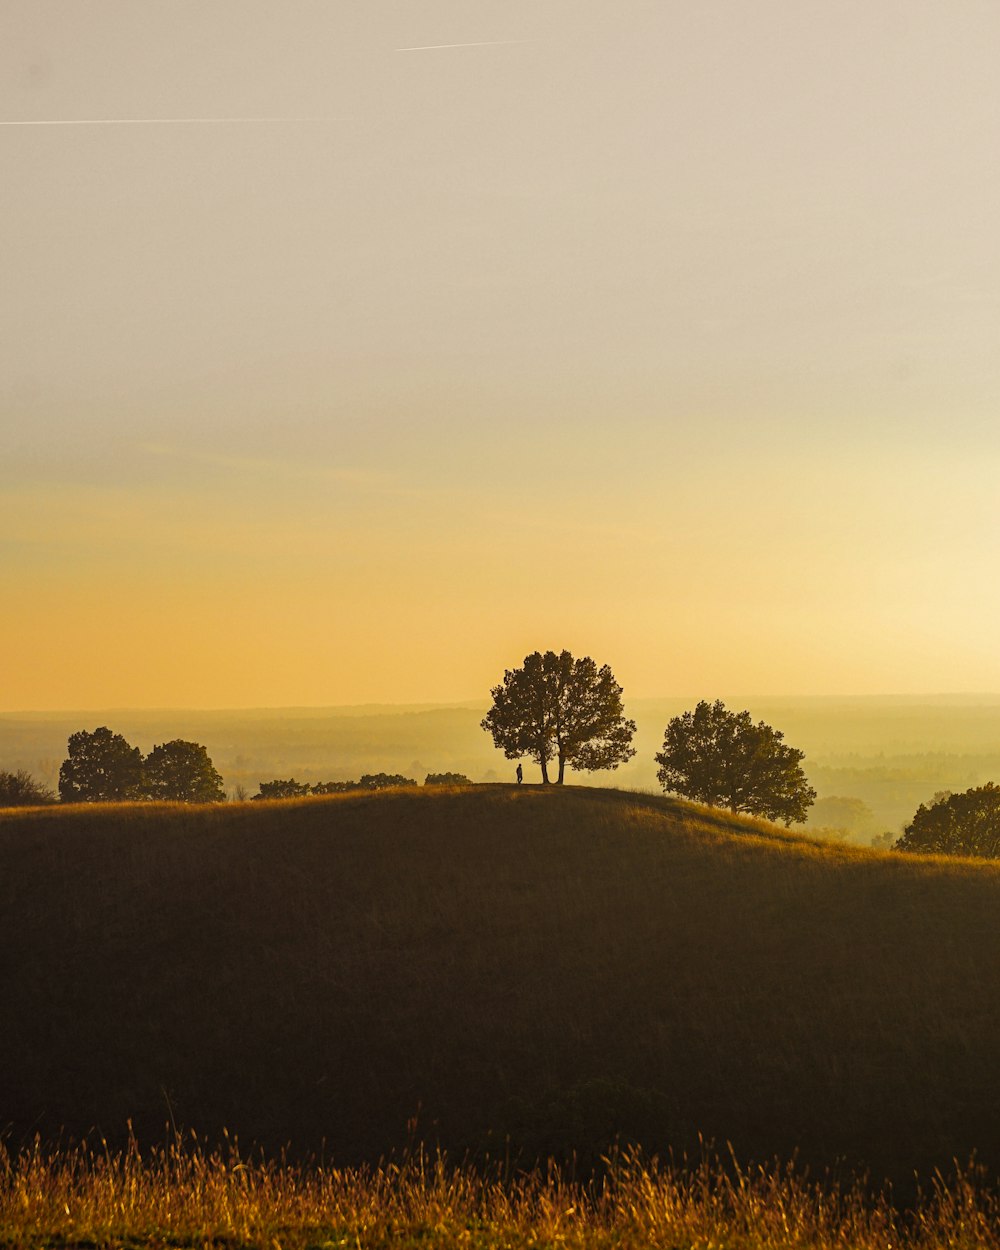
x=160 y=121
x=484 y=43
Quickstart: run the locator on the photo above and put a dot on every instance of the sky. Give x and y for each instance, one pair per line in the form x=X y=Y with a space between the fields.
x=378 y=344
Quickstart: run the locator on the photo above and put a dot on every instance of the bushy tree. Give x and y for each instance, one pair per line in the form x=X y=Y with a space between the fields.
x=384 y=781
x=335 y=787
x=957 y=824
x=447 y=779
x=181 y=772
x=557 y=708
x=101 y=767
x=722 y=758
x=290 y=789
x=20 y=789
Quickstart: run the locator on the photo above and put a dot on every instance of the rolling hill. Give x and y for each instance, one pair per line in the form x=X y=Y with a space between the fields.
x=499 y=970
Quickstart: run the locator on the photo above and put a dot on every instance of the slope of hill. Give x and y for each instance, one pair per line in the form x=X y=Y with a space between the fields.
x=495 y=968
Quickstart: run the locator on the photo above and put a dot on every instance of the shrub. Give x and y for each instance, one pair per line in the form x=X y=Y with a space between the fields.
x=20 y=789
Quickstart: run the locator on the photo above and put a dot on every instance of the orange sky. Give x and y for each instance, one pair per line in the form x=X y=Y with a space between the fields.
x=666 y=333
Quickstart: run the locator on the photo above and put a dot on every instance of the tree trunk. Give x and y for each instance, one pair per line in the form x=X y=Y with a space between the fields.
x=545 y=772
x=562 y=769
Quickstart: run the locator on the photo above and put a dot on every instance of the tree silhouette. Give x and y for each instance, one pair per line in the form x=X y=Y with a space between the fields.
x=384 y=781
x=557 y=708
x=722 y=758
x=101 y=767
x=290 y=789
x=957 y=824
x=181 y=772
x=20 y=789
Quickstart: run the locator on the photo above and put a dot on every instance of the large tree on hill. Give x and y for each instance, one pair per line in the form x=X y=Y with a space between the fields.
x=101 y=767
x=182 y=772
x=722 y=758
x=557 y=708
x=957 y=824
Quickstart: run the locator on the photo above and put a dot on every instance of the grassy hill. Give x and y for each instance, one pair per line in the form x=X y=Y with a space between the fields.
x=552 y=967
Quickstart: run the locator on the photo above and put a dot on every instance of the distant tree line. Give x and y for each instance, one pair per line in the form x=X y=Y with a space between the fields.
x=292 y=789
x=103 y=767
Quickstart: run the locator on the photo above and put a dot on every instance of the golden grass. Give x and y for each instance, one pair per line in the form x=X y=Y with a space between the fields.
x=185 y=1196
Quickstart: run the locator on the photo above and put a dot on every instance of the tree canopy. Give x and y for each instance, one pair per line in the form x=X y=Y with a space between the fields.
x=101 y=767
x=384 y=781
x=957 y=824
x=181 y=772
x=296 y=789
x=289 y=789
x=557 y=708
x=722 y=758
x=447 y=779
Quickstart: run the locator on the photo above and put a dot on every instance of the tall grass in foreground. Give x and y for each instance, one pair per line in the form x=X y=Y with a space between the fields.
x=183 y=1196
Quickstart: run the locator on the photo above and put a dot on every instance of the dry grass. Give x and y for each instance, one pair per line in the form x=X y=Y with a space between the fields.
x=539 y=971
x=183 y=1196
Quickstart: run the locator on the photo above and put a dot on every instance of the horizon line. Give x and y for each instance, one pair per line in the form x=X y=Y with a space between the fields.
x=157 y=121
x=475 y=702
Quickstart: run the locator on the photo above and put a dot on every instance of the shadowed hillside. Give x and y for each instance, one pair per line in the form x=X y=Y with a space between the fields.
x=556 y=967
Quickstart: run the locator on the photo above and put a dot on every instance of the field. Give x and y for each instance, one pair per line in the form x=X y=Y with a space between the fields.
x=505 y=974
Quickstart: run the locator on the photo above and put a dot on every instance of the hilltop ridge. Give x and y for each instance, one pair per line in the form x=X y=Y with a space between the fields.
x=890 y=754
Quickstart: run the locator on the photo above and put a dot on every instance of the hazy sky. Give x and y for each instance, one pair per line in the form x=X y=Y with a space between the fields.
x=665 y=331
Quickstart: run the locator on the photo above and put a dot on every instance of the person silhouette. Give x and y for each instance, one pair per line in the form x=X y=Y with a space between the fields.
x=520 y=774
